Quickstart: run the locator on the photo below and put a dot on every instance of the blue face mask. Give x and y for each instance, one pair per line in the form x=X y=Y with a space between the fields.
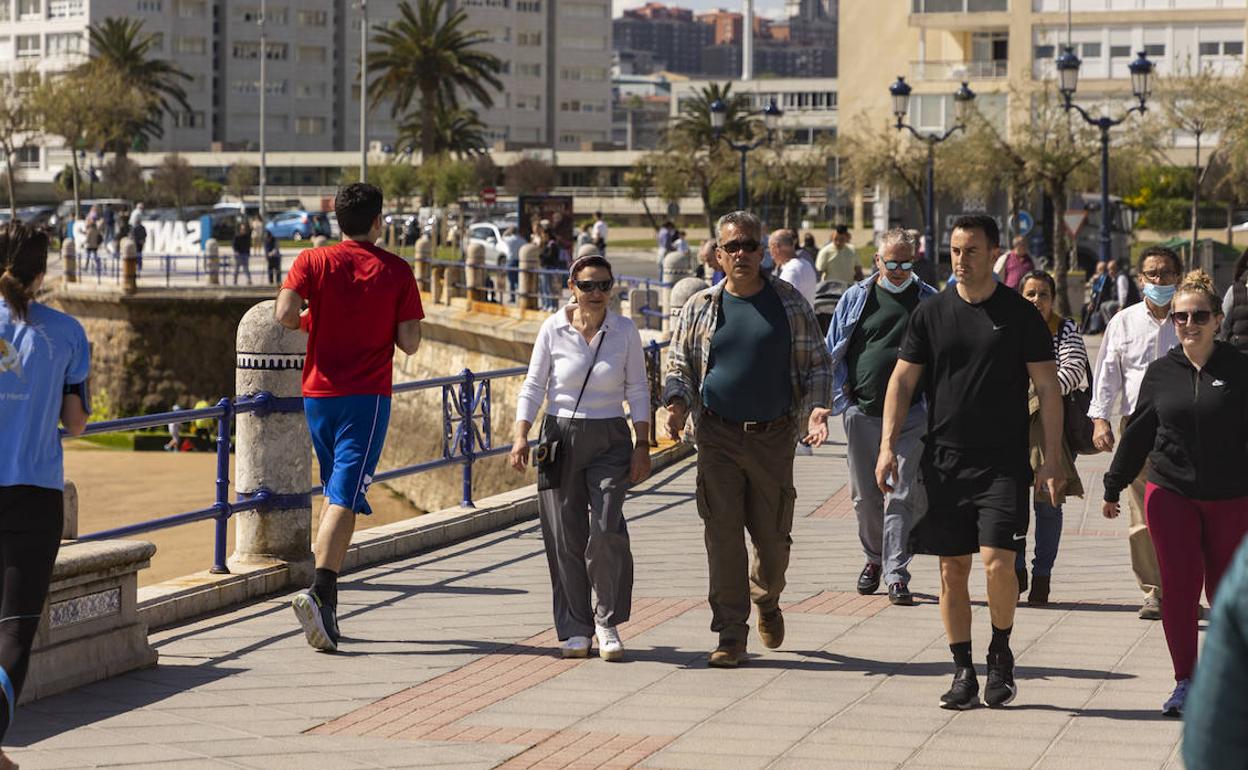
x=1159 y=295
x=893 y=288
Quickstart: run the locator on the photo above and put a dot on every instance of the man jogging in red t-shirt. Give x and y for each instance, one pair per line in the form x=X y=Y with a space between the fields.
x=362 y=301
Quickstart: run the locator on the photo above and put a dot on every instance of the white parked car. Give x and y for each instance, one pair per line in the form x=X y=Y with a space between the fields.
x=489 y=235
x=1242 y=227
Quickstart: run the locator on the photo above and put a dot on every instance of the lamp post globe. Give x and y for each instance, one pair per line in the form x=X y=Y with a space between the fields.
x=771 y=116
x=900 y=92
x=1068 y=72
x=963 y=98
x=719 y=111
x=1141 y=77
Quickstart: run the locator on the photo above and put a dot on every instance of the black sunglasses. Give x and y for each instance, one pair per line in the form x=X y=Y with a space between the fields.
x=602 y=286
x=1198 y=317
x=732 y=247
x=893 y=265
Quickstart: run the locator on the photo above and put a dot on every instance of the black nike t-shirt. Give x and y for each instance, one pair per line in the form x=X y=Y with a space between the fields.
x=975 y=358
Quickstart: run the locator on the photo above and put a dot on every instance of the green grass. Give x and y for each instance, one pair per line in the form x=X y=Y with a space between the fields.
x=121 y=441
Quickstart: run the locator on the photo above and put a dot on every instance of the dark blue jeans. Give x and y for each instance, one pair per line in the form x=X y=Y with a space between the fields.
x=1048 y=531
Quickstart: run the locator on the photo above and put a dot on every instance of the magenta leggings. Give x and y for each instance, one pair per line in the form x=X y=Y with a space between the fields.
x=1195 y=540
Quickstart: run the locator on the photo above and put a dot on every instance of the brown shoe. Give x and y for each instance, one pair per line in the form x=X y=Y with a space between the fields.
x=771 y=628
x=729 y=654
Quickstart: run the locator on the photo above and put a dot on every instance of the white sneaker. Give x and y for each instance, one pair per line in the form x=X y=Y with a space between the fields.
x=609 y=645
x=803 y=450
x=575 y=647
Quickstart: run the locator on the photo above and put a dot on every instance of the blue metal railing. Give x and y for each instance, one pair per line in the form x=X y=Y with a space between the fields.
x=467 y=437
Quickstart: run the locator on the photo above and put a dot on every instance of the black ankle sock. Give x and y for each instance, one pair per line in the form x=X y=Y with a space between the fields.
x=1000 y=639
x=326 y=586
x=962 y=655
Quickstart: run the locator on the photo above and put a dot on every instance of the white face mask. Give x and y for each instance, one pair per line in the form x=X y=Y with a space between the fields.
x=894 y=288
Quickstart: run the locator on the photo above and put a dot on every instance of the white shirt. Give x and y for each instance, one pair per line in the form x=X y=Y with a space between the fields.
x=561 y=358
x=801 y=276
x=136 y=215
x=1133 y=340
x=600 y=230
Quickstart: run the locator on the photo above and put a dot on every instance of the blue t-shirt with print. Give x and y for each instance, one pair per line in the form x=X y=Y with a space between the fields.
x=38 y=358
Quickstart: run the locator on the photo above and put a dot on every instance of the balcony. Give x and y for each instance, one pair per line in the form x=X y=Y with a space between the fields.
x=958 y=6
x=986 y=69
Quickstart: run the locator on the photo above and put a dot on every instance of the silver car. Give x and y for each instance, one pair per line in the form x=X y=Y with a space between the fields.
x=489 y=235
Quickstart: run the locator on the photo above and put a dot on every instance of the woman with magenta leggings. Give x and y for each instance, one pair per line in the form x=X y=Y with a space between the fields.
x=1191 y=422
x=44 y=360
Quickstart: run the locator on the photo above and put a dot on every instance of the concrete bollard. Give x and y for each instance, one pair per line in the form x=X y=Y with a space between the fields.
x=475 y=278
x=129 y=266
x=420 y=268
x=274 y=450
x=678 y=296
x=69 y=259
x=70 y=511
x=530 y=259
x=676 y=267
x=319 y=241
x=212 y=261
x=437 y=277
x=585 y=249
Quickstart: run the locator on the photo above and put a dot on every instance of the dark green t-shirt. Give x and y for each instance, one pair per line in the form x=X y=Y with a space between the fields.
x=748 y=370
x=872 y=352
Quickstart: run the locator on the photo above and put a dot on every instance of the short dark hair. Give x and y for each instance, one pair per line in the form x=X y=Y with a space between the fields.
x=842 y=230
x=1166 y=253
x=981 y=222
x=1039 y=275
x=357 y=206
x=589 y=260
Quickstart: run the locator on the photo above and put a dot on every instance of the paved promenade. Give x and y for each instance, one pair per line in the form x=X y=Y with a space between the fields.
x=448 y=663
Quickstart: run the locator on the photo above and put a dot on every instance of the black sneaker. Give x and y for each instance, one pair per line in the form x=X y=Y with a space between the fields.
x=869 y=579
x=1000 y=689
x=898 y=593
x=963 y=693
x=320 y=627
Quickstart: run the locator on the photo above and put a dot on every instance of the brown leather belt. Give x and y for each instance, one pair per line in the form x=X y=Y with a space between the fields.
x=749 y=426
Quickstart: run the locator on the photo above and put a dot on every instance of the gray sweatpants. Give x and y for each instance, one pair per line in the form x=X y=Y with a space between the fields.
x=584 y=529
x=884 y=526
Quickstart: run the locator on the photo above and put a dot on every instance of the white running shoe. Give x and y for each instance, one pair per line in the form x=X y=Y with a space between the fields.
x=609 y=645
x=575 y=647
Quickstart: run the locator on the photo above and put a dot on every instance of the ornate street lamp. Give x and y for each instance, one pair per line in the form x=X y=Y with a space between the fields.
x=771 y=121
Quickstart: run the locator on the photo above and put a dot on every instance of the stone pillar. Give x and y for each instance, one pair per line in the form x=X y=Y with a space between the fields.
x=212 y=261
x=474 y=276
x=69 y=260
x=678 y=295
x=529 y=284
x=676 y=267
x=129 y=266
x=585 y=249
x=274 y=450
x=437 y=277
x=424 y=253
x=70 y=509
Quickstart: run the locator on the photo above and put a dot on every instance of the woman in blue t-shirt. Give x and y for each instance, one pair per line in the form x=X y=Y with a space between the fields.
x=44 y=360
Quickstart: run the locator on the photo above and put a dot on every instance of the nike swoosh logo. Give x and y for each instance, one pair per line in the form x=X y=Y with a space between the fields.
x=1019 y=537
x=996 y=328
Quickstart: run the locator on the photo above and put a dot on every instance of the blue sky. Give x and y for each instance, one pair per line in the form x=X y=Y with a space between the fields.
x=772 y=8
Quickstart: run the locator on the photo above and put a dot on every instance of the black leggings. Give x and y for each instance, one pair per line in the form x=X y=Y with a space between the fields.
x=31 y=521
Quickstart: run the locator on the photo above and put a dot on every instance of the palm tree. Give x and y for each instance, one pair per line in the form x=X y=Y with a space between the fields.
x=693 y=128
x=424 y=56
x=456 y=132
x=121 y=44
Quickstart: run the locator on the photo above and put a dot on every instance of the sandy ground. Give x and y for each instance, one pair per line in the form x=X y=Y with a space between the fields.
x=117 y=487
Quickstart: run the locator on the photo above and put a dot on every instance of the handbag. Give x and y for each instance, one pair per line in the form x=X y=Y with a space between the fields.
x=1076 y=425
x=547 y=456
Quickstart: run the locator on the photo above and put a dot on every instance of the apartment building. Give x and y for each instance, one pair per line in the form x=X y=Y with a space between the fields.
x=809 y=104
x=556 y=79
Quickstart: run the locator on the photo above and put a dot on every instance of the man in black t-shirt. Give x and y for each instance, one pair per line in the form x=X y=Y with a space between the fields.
x=978 y=346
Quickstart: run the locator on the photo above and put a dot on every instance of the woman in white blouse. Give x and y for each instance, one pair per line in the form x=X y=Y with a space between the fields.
x=587 y=362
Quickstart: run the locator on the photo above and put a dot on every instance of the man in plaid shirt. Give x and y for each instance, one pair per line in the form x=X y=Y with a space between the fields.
x=749 y=363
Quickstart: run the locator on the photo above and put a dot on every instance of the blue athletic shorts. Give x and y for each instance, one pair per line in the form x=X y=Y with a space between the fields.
x=348 y=433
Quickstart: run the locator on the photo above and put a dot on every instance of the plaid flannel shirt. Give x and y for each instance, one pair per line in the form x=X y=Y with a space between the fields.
x=810 y=368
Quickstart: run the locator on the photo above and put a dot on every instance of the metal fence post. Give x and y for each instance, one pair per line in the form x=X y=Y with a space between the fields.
x=652 y=371
x=468 y=432
x=223 y=487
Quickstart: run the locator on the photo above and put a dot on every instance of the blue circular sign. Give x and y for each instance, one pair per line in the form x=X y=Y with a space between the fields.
x=1024 y=222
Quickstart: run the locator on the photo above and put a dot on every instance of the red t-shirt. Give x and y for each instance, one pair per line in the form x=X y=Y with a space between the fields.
x=357 y=294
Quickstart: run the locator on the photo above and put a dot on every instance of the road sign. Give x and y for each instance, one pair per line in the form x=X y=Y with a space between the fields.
x=1074 y=221
x=1023 y=222
x=489 y=195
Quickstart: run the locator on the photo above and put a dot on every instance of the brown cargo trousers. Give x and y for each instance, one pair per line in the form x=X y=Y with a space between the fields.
x=745 y=483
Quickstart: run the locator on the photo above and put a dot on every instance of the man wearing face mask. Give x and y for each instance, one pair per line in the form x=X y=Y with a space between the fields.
x=1135 y=337
x=863 y=338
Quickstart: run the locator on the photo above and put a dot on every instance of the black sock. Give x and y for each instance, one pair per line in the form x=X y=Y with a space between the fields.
x=326 y=586
x=1000 y=640
x=962 y=655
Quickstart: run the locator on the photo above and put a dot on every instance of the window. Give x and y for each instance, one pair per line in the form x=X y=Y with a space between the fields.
x=27 y=46
x=277 y=16
x=195 y=46
x=586 y=10
x=272 y=87
x=309 y=126
x=1120 y=51
x=151 y=6
x=1090 y=50
x=277 y=52
x=1233 y=48
x=529 y=38
x=504 y=68
x=586 y=42
x=529 y=6
x=529 y=103
x=64 y=43
x=188 y=120
x=1044 y=52
x=191 y=9
x=6 y=10
x=27 y=157
x=1156 y=50
x=312 y=18
x=158 y=41
x=30 y=9
x=589 y=74
x=489 y=3
x=314 y=54
x=311 y=90
x=63 y=9
x=247 y=13
x=529 y=70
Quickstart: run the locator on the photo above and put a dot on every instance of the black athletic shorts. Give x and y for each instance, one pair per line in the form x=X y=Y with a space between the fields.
x=973 y=499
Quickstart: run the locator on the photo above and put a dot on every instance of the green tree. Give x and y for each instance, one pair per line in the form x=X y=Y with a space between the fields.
x=121 y=45
x=881 y=155
x=241 y=179
x=17 y=124
x=693 y=126
x=457 y=132
x=443 y=180
x=529 y=175
x=173 y=181
x=123 y=178
x=427 y=53
x=640 y=182
x=399 y=181
x=786 y=171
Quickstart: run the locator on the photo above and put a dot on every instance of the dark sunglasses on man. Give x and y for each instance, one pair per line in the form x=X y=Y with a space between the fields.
x=1197 y=317
x=893 y=265
x=589 y=286
x=732 y=247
